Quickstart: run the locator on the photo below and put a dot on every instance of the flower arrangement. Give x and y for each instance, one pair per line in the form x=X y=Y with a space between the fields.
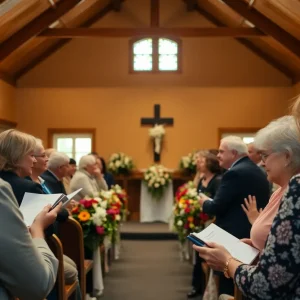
x=188 y=163
x=92 y=216
x=157 y=179
x=120 y=163
x=122 y=195
x=188 y=215
x=157 y=132
x=113 y=209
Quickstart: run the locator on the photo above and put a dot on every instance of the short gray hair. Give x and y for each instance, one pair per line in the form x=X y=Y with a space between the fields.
x=235 y=143
x=280 y=135
x=86 y=160
x=57 y=159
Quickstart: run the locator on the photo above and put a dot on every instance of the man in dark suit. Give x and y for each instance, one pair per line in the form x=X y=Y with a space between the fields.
x=242 y=178
x=58 y=166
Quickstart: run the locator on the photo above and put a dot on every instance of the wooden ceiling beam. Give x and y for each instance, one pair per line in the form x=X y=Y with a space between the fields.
x=7 y=78
x=265 y=25
x=151 y=31
x=36 y=26
x=154 y=13
x=250 y=46
x=100 y=14
x=117 y=4
x=191 y=5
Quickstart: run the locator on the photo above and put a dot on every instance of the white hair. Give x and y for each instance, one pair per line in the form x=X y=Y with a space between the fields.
x=58 y=159
x=39 y=145
x=235 y=143
x=86 y=160
x=281 y=136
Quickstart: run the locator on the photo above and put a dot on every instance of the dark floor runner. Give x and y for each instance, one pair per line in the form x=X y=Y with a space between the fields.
x=148 y=270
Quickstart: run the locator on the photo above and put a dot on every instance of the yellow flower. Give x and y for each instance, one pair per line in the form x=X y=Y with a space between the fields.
x=192 y=225
x=84 y=216
x=181 y=200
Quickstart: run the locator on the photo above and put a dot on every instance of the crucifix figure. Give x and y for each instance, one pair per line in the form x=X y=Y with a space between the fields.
x=157 y=120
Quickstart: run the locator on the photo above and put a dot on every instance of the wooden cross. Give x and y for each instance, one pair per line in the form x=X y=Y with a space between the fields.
x=159 y=121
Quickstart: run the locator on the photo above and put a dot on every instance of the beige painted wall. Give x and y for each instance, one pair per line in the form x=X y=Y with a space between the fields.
x=116 y=113
x=7 y=101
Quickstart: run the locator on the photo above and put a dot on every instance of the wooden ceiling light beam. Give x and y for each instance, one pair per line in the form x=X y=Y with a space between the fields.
x=36 y=26
x=154 y=14
x=66 y=33
x=265 y=25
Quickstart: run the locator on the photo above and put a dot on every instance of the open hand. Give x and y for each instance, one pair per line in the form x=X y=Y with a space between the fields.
x=250 y=209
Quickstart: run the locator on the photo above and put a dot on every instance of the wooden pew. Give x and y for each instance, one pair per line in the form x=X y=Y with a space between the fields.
x=71 y=236
x=64 y=291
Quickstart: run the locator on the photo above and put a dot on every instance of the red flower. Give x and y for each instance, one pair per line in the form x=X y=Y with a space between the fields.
x=100 y=230
x=204 y=217
x=187 y=210
x=75 y=210
x=112 y=211
x=86 y=203
x=186 y=226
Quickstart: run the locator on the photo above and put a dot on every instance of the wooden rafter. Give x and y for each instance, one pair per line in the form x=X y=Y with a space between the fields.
x=250 y=46
x=7 y=78
x=117 y=4
x=100 y=14
x=154 y=13
x=191 y=5
x=265 y=25
x=36 y=26
x=151 y=31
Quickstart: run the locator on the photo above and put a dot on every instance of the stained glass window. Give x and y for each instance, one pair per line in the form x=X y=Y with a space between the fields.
x=155 y=54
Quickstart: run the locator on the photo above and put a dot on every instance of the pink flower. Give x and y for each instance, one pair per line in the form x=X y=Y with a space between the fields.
x=100 y=230
x=112 y=211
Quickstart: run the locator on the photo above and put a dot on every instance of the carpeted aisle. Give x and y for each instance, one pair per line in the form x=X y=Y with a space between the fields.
x=148 y=270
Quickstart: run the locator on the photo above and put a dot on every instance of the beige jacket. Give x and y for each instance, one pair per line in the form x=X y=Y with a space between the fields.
x=28 y=268
x=89 y=184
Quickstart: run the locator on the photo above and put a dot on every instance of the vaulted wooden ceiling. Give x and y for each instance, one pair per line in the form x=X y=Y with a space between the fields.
x=32 y=30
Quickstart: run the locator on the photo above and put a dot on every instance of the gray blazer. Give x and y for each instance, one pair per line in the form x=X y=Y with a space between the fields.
x=89 y=184
x=28 y=268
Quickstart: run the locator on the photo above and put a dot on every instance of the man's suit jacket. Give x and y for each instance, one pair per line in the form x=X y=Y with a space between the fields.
x=20 y=185
x=56 y=186
x=243 y=179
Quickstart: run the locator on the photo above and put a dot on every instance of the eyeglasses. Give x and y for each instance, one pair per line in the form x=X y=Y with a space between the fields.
x=264 y=156
x=42 y=155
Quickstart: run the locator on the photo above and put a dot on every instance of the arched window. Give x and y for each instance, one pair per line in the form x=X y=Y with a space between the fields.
x=155 y=55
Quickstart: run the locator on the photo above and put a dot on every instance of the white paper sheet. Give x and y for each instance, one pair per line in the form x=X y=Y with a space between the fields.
x=239 y=250
x=32 y=204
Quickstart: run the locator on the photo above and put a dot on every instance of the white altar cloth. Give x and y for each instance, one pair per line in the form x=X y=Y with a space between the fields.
x=151 y=209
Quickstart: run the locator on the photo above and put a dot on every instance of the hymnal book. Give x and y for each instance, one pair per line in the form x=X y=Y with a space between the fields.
x=213 y=233
x=32 y=204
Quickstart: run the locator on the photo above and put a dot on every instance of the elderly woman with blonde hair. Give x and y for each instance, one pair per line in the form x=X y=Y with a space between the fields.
x=276 y=232
x=17 y=161
x=88 y=177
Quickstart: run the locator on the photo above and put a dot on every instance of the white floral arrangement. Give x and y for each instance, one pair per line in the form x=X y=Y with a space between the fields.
x=156 y=133
x=157 y=179
x=120 y=163
x=188 y=163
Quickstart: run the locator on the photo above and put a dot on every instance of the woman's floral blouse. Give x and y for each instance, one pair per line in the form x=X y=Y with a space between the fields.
x=277 y=274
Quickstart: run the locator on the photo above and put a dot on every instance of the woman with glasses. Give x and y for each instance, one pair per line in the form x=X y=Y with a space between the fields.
x=276 y=231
